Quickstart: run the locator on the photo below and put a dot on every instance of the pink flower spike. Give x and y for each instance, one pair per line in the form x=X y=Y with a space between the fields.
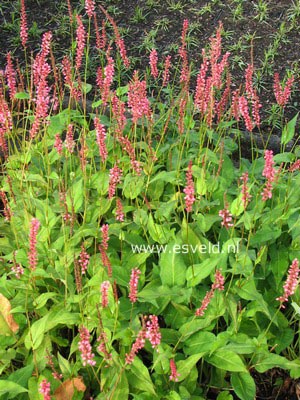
x=115 y=174
x=80 y=40
x=174 y=374
x=189 y=190
x=246 y=197
x=105 y=237
x=104 y=293
x=133 y=284
x=153 y=63
x=23 y=25
x=119 y=211
x=83 y=260
x=138 y=102
x=58 y=144
x=137 y=345
x=10 y=76
x=32 y=254
x=205 y=302
x=101 y=136
x=153 y=332
x=282 y=95
x=227 y=218
x=44 y=389
x=166 y=73
x=90 y=7
x=219 y=281
x=85 y=347
x=291 y=282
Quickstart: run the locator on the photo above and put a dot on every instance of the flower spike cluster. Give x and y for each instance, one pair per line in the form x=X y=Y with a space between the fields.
x=291 y=282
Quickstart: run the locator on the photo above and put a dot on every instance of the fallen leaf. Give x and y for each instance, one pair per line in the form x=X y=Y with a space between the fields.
x=7 y=318
x=66 y=390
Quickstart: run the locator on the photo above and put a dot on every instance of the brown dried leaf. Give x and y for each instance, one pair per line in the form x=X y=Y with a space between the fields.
x=5 y=308
x=66 y=390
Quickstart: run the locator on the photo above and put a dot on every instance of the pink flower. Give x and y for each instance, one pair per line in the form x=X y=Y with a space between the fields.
x=269 y=174
x=101 y=136
x=32 y=254
x=152 y=332
x=205 y=302
x=119 y=211
x=137 y=99
x=153 y=63
x=80 y=40
x=58 y=144
x=118 y=110
x=137 y=345
x=246 y=197
x=11 y=77
x=16 y=268
x=295 y=166
x=41 y=70
x=105 y=260
x=227 y=218
x=85 y=347
x=182 y=107
x=282 y=95
x=174 y=374
x=104 y=293
x=70 y=143
x=217 y=285
x=269 y=171
x=105 y=237
x=189 y=190
x=89 y=7
x=102 y=339
x=166 y=73
x=133 y=284
x=44 y=389
x=244 y=110
x=115 y=174
x=109 y=71
x=219 y=281
x=291 y=282
x=83 y=260
x=23 y=26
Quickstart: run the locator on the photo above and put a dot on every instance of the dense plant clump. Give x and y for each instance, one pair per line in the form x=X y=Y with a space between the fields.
x=141 y=256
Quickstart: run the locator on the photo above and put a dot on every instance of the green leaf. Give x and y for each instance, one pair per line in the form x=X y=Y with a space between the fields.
x=159 y=233
x=22 y=375
x=38 y=329
x=122 y=90
x=11 y=389
x=199 y=341
x=86 y=87
x=243 y=385
x=196 y=273
x=224 y=396
x=184 y=366
x=264 y=361
x=172 y=267
x=139 y=377
x=115 y=384
x=22 y=96
x=77 y=195
x=265 y=234
x=289 y=130
x=227 y=360
x=64 y=366
x=41 y=300
x=133 y=185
